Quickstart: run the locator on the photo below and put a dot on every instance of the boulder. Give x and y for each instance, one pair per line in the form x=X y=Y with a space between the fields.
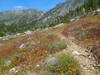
x=22 y=46
x=98 y=10
x=75 y=53
x=28 y=32
x=52 y=60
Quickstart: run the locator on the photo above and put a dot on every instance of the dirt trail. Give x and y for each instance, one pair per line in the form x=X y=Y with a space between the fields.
x=87 y=63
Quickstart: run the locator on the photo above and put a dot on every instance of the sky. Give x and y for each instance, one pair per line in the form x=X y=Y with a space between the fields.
x=43 y=5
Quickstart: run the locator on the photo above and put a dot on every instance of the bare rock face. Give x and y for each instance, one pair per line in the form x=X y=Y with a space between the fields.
x=60 y=10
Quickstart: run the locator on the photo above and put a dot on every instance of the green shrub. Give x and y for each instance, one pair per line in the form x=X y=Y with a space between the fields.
x=56 y=45
x=66 y=65
x=6 y=65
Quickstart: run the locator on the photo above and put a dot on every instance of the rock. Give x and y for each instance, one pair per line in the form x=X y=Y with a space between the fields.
x=52 y=60
x=28 y=44
x=28 y=32
x=4 y=39
x=72 y=20
x=75 y=53
x=18 y=34
x=22 y=46
x=98 y=10
x=15 y=69
x=37 y=65
x=94 y=13
x=7 y=63
x=59 y=25
x=0 y=37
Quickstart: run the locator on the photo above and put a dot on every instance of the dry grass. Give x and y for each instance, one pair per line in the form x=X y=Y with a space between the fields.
x=86 y=32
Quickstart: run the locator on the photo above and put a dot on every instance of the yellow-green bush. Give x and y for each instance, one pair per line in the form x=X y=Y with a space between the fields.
x=56 y=45
x=6 y=65
x=66 y=65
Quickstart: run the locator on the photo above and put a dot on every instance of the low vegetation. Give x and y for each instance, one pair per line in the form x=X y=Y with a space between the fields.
x=86 y=32
x=33 y=51
x=66 y=65
x=9 y=62
x=55 y=45
x=40 y=45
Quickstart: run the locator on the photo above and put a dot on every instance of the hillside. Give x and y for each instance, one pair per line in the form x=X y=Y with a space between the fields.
x=27 y=53
x=86 y=33
x=62 y=41
x=12 y=22
x=29 y=14
x=19 y=21
x=61 y=10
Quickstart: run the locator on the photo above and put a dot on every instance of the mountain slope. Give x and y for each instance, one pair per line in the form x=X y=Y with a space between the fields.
x=18 y=21
x=18 y=15
x=29 y=52
x=86 y=33
x=67 y=10
x=55 y=14
x=36 y=53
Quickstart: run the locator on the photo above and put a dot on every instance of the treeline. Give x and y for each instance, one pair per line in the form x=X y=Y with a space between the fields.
x=15 y=28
